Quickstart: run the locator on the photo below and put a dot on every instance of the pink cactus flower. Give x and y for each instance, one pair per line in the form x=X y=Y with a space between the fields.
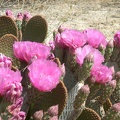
x=70 y=39
x=116 y=107
x=26 y=51
x=19 y=116
x=20 y=16
x=38 y=115
x=101 y=73
x=51 y=57
x=95 y=38
x=62 y=28
x=52 y=45
x=13 y=91
x=81 y=53
x=9 y=13
x=27 y=16
x=5 y=61
x=44 y=75
x=53 y=111
x=117 y=39
x=7 y=77
x=16 y=106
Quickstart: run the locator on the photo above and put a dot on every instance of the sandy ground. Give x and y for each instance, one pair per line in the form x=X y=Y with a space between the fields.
x=103 y=15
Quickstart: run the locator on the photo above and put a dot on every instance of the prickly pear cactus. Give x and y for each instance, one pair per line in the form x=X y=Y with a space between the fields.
x=116 y=94
x=36 y=29
x=89 y=114
x=6 y=47
x=71 y=78
x=7 y=26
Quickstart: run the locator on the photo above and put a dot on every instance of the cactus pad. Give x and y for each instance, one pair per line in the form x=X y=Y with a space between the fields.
x=116 y=93
x=7 y=26
x=6 y=47
x=57 y=96
x=89 y=114
x=36 y=29
x=107 y=105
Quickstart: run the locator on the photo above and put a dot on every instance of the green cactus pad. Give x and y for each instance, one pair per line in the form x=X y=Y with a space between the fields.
x=89 y=114
x=36 y=29
x=107 y=105
x=57 y=96
x=116 y=93
x=7 y=26
x=6 y=47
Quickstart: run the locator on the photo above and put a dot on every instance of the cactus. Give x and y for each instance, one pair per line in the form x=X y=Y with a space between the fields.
x=75 y=84
x=107 y=105
x=116 y=93
x=107 y=91
x=36 y=29
x=113 y=112
x=51 y=98
x=6 y=47
x=108 y=51
x=89 y=114
x=79 y=102
x=7 y=26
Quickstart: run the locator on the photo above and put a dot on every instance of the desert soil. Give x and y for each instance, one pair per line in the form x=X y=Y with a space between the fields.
x=103 y=15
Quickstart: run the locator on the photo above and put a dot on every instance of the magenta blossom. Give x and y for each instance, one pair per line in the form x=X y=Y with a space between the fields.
x=81 y=53
x=70 y=39
x=26 y=50
x=117 y=39
x=44 y=74
x=5 y=61
x=9 y=13
x=62 y=28
x=95 y=38
x=52 y=45
x=27 y=16
x=16 y=106
x=7 y=77
x=53 y=110
x=102 y=74
x=13 y=91
x=19 y=116
x=20 y=16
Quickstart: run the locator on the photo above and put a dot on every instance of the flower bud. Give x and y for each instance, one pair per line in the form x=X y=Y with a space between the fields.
x=117 y=75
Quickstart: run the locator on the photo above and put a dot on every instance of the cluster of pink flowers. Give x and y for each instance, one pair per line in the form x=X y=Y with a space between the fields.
x=44 y=74
x=7 y=77
x=10 y=84
x=74 y=38
x=84 y=44
x=26 y=51
x=20 y=16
